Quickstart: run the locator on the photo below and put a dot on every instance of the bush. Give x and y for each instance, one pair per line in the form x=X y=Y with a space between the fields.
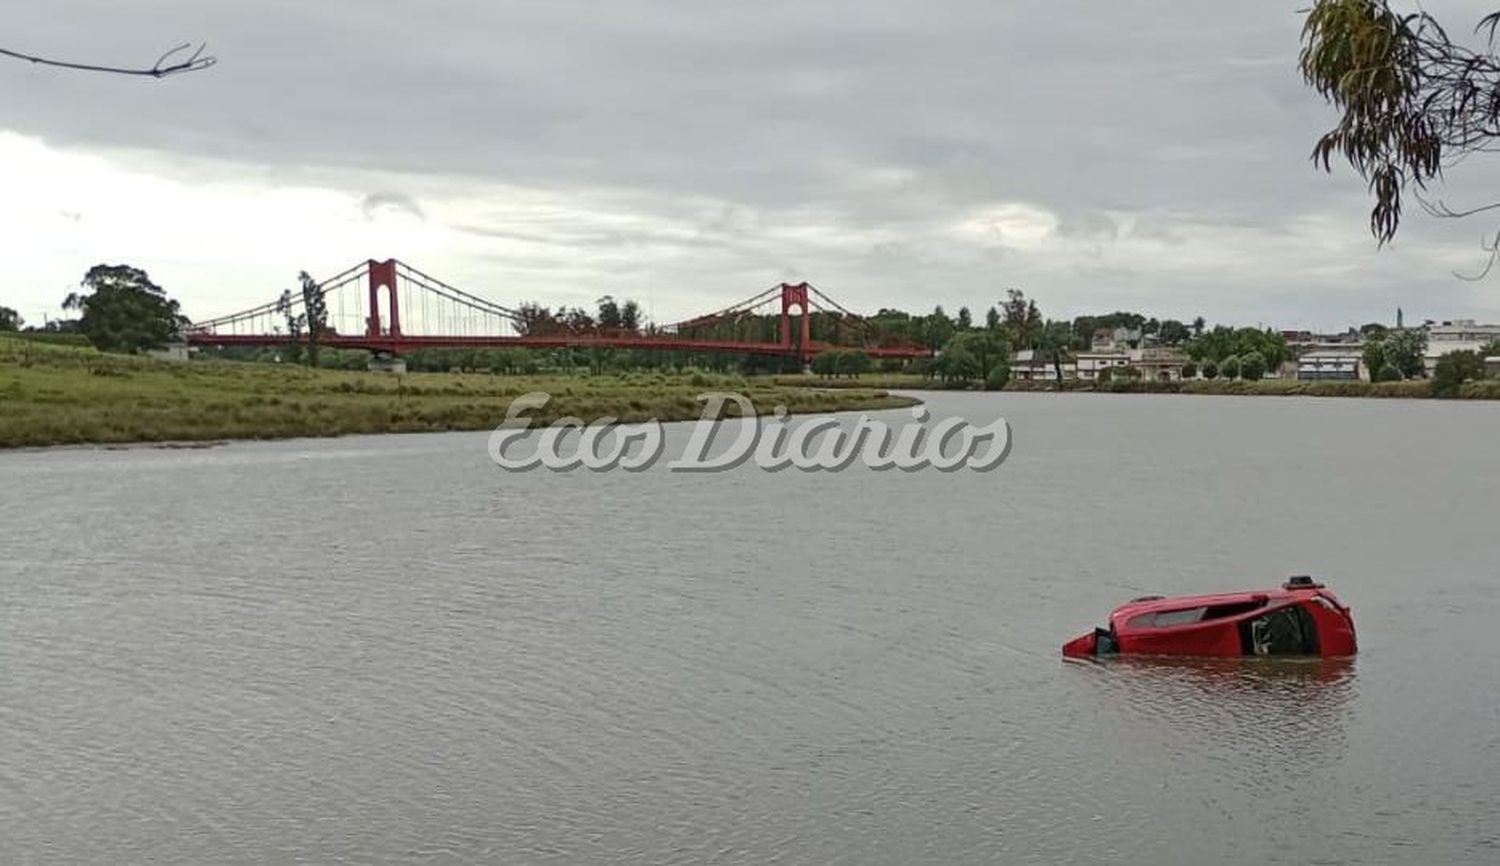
x=1210 y=370
x=1485 y=389
x=958 y=365
x=1252 y=366
x=852 y=364
x=997 y=376
x=1229 y=368
x=1454 y=369
x=1189 y=370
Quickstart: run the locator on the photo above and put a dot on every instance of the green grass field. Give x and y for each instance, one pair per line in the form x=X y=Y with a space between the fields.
x=58 y=395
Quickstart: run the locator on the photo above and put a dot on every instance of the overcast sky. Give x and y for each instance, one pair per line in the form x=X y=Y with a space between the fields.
x=1139 y=154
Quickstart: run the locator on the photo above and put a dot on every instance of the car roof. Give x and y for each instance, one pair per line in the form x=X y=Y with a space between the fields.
x=1183 y=602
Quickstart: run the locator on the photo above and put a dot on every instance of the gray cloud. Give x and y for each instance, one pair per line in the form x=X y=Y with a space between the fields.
x=393 y=202
x=840 y=135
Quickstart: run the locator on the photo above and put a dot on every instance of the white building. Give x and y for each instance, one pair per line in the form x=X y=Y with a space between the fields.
x=1090 y=364
x=1345 y=364
x=1032 y=365
x=1456 y=336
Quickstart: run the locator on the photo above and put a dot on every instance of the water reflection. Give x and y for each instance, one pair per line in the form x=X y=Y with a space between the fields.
x=1266 y=721
x=1240 y=674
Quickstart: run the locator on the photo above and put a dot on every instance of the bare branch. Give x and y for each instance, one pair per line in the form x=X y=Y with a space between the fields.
x=1439 y=208
x=160 y=69
x=1493 y=248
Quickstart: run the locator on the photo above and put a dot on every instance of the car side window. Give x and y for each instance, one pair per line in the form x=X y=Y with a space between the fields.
x=1164 y=618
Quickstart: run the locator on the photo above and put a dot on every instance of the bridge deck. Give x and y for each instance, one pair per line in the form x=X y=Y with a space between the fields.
x=401 y=344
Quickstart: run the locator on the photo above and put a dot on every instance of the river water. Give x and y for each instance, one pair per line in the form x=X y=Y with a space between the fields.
x=385 y=649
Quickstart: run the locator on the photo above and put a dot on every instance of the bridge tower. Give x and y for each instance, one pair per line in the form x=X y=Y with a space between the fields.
x=383 y=276
x=795 y=296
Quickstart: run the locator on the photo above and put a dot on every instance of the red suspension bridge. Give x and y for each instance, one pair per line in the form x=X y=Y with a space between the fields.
x=391 y=307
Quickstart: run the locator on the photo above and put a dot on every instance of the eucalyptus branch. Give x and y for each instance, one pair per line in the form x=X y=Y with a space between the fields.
x=160 y=69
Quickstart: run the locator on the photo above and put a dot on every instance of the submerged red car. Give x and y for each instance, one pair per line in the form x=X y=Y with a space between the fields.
x=1303 y=617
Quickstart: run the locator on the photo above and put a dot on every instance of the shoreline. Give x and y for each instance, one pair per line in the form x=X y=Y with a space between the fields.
x=887 y=403
x=60 y=397
x=1415 y=389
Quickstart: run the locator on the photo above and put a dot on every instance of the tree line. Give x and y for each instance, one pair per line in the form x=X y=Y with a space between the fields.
x=119 y=308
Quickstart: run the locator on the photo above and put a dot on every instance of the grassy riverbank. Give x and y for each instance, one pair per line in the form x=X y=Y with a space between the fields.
x=1488 y=389
x=60 y=395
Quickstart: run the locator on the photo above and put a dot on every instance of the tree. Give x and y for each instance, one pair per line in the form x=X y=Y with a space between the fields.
x=1229 y=367
x=609 y=314
x=1198 y=326
x=1189 y=370
x=314 y=313
x=1055 y=340
x=576 y=321
x=295 y=322
x=10 y=320
x=992 y=319
x=1023 y=321
x=965 y=319
x=1210 y=370
x=1454 y=369
x=1490 y=349
x=825 y=364
x=1252 y=366
x=987 y=348
x=630 y=317
x=122 y=310
x=1173 y=333
x=285 y=305
x=1396 y=354
x=1224 y=342
x=533 y=320
x=852 y=364
x=1412 y=101
x=938 y=328
x=957 y=364
x=1374 y=358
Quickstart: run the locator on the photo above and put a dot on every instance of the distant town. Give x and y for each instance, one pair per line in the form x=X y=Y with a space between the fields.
x=1134 y=352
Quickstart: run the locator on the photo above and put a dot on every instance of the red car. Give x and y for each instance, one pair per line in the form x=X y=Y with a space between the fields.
x=1300 y=618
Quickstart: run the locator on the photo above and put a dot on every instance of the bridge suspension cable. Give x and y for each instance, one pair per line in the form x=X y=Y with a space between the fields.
x=395 y=307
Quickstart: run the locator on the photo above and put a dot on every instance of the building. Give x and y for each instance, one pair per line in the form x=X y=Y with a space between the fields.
x=170 y=352
x=1032 y=365
x=1462 y=331
x=1115 y=339
x=1091 y=364
x=1456 y=335
x=1343 y=364
x=1161 y=364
